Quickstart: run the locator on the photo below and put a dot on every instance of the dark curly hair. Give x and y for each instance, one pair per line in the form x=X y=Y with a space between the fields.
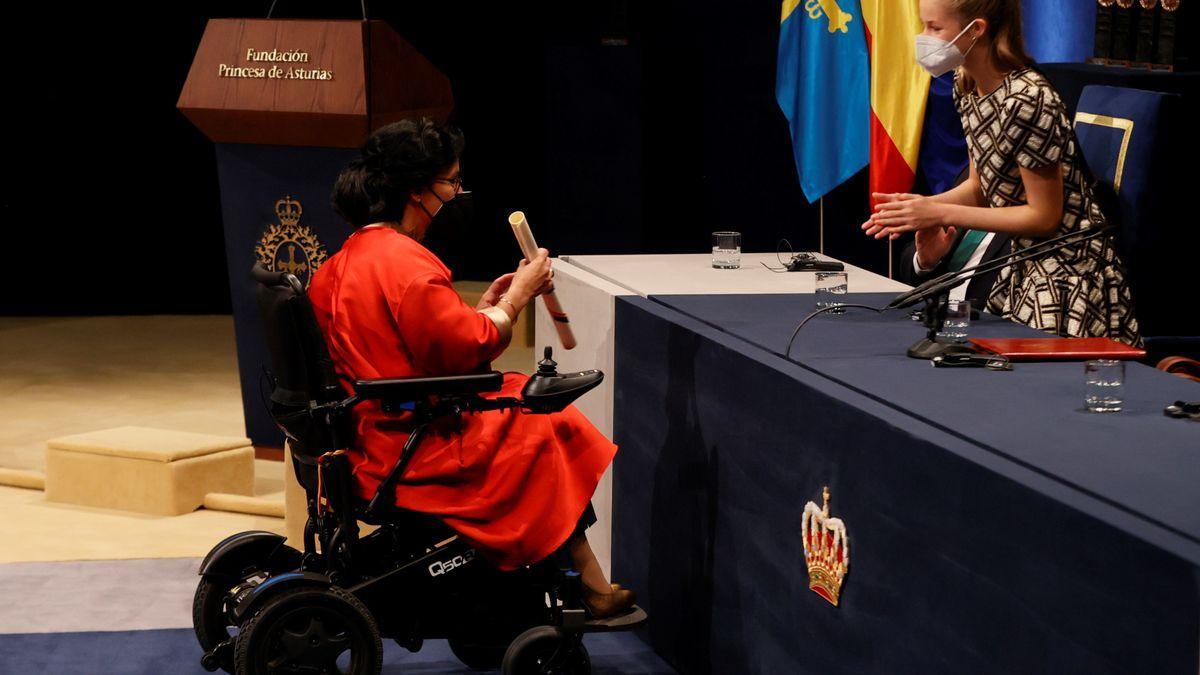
x=397 y=160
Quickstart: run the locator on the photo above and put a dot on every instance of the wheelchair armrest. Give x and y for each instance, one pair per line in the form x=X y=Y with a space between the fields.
x=417 y=388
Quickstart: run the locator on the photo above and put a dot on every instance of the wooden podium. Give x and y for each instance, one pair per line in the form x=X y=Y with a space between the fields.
x=287 y=103
x=307 y=83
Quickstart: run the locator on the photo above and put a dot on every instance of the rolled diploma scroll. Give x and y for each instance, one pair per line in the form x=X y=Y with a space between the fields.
x=529 y=247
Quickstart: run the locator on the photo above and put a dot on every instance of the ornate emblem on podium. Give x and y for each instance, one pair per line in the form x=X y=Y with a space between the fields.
x=288 y=246
x=826 y=550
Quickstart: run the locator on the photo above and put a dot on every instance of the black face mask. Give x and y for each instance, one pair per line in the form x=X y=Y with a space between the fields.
x=449 y=234
x=450 y=222
x=446 y=203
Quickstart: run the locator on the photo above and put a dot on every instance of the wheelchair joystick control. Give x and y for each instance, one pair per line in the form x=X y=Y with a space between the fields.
x=548 y=367
x=551 y=391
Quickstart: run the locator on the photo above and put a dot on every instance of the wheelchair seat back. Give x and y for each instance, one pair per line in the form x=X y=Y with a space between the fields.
x=304 y=377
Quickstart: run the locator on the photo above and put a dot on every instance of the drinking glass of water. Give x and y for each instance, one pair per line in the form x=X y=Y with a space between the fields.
x=1105 y=381
x=958 y=320
x=831 y=291
x=727 y=250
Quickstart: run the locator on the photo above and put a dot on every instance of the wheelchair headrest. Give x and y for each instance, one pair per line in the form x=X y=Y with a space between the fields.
x=266 y=277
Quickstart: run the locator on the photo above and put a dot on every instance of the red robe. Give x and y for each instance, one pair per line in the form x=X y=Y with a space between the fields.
x=512 y=484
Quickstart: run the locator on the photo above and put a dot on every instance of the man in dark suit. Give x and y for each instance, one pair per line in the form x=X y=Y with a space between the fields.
x=935 y=251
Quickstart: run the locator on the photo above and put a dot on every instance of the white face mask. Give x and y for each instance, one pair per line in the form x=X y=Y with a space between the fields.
x=940 y=57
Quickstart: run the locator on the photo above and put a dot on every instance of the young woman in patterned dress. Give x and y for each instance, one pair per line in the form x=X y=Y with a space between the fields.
x=1026 y=178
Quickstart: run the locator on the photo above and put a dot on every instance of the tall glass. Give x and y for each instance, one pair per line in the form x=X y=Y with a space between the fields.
x=1105 y=385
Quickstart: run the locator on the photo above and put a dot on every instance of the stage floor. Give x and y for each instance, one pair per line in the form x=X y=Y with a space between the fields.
x=110 y=591
x=68 y=375
x=132 y=617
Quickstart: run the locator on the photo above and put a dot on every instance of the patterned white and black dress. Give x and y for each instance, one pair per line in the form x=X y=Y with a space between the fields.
x=1080 y=291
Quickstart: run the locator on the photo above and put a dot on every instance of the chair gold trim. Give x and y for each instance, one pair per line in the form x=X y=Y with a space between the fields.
x=1126 y=127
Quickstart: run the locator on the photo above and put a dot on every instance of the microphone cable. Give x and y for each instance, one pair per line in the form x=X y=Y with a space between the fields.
x=787 y=353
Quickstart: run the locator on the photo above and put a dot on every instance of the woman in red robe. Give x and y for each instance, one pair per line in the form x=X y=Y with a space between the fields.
x=516 y=486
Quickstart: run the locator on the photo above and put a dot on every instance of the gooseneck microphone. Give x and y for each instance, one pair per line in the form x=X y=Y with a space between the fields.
x=935 y=292
x=949 y=280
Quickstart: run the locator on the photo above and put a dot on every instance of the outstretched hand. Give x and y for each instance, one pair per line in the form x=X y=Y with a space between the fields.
x=898 y=213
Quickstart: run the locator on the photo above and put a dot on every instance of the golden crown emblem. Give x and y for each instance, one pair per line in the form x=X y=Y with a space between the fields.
x=288 y=210
x=826 y=550
x=288 y=246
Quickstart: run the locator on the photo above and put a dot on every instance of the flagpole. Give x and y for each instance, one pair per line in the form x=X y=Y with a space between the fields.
x=891 y=261
x=822 y=247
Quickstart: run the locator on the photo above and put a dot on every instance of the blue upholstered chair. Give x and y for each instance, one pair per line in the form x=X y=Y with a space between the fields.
x=1134 y=141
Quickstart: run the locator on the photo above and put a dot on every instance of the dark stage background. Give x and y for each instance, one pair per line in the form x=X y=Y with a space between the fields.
x=618 y=126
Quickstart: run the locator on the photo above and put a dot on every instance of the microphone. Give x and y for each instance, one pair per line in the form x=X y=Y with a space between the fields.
x=935 y=292
x=949 y=280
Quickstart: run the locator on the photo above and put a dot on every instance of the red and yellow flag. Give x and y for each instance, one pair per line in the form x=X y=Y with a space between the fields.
x=899 y=91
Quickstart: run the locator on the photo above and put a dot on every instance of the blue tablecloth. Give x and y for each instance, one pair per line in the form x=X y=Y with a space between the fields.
x=1138 y=460
x=994 y=527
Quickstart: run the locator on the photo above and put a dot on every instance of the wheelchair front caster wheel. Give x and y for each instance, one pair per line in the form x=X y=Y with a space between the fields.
x=547 y=650
x=213 y=661
x=212 y=630
x=317 y=630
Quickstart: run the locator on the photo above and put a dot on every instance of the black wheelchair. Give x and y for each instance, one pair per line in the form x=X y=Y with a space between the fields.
x=265 y=607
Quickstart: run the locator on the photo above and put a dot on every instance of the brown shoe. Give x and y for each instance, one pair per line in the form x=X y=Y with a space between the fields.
x=605 y=605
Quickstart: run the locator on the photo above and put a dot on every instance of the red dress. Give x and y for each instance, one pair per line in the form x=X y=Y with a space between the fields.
x=512 y=484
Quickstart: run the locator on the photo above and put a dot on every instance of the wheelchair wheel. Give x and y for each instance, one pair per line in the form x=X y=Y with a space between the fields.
x=546 y=650
x=478 y=655
x=310 y=630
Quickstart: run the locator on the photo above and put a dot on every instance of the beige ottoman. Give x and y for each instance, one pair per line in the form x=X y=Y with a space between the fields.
x=154 y=471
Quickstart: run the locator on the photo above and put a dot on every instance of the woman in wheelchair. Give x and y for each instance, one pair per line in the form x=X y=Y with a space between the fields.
x=518 y=487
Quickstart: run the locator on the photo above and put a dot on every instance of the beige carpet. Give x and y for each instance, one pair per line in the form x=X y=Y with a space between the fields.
x=36 y=530
x=71 y=375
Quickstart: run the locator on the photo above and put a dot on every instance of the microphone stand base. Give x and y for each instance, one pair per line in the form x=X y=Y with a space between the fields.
x=927 y=349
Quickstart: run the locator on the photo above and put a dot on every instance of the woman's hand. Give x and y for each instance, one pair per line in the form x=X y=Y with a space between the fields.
x=532 y=278
x=933 y=244
x=904 y=213
x=498 y=288
x=889 y=197
x=885 y=198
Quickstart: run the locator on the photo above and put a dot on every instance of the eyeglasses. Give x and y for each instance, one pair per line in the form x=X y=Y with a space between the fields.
x=455 y=182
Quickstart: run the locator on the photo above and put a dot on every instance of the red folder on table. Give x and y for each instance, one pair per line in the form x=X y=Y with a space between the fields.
x=1058 y=349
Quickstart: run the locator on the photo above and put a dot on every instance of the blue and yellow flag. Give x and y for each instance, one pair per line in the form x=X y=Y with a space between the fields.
x=823 y=86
